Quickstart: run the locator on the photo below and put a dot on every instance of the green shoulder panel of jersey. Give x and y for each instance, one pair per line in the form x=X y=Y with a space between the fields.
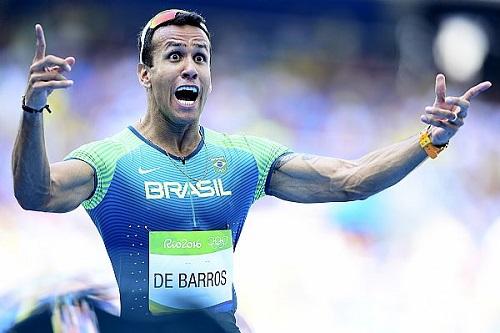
x=264 y=151
x=102 y=156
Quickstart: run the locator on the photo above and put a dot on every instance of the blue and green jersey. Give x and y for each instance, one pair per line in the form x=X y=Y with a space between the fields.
x=140 y=188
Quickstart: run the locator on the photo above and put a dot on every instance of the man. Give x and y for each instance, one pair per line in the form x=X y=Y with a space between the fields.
x=170 y=197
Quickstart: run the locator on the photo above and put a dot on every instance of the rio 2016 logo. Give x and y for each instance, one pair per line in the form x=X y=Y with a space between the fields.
x=181 y=244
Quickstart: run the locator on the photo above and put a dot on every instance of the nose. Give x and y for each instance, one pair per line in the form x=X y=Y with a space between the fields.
x=189 y=72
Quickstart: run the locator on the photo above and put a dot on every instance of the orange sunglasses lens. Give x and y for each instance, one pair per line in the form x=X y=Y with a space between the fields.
x=165 y=16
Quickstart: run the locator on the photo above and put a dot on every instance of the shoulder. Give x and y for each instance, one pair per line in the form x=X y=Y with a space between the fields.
x=245 y=142
x=107 y=150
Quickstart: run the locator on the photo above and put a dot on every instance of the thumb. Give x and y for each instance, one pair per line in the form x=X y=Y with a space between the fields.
x=70 y=60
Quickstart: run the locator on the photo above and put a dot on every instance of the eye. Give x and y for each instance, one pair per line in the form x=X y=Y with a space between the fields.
x=174 y=56
x=199 y=58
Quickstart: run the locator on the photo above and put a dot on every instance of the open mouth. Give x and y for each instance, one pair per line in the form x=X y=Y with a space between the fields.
x=187 y=95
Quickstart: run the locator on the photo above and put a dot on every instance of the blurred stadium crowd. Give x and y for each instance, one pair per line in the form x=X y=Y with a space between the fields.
x=340 y=81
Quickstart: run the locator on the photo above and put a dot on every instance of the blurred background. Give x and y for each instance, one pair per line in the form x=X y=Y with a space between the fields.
x=336 y=78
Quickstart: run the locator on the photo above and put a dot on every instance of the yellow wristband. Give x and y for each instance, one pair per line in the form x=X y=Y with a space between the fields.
x=426 y=144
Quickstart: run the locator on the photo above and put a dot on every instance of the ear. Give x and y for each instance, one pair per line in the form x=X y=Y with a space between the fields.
x=144 y=75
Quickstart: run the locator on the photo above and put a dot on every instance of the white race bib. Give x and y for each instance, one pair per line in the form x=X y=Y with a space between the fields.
x=189 y=270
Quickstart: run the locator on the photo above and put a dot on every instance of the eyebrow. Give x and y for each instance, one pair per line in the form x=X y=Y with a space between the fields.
x=174 y=44
x=200 y=45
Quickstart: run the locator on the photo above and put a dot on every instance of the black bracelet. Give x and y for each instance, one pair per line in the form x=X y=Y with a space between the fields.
x=31 y=110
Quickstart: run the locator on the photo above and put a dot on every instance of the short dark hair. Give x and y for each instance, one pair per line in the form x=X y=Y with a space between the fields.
x=182 y=18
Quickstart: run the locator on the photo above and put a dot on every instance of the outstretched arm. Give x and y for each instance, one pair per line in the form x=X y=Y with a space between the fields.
x=38 y=185
x=309 y=179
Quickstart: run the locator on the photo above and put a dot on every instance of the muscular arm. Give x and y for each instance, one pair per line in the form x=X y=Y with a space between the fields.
x=311 y=179
x=306 y=178
x=59 y=187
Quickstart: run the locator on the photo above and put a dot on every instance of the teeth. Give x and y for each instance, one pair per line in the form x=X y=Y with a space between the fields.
x=185 y=103
x=189 y=88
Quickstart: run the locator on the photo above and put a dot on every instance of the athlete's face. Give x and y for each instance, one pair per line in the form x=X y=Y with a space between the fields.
x=180 y=77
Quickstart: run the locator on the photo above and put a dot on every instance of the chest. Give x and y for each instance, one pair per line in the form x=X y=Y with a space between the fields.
x=210 y=190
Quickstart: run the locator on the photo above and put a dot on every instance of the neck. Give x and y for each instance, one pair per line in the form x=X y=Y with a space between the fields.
x=177 y=139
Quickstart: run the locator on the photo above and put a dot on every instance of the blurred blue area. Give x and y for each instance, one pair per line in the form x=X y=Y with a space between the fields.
x=369 y=217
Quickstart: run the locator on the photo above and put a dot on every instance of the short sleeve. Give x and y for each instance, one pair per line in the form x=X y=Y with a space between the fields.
x=265 y=152
x=89 y=153
x=102 y=156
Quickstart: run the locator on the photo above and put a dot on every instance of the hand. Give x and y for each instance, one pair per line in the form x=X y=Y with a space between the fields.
x=45 y=73
x=71 y=316
x=447 y=114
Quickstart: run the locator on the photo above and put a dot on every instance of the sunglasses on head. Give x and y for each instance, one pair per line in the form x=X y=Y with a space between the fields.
x=160 y=19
